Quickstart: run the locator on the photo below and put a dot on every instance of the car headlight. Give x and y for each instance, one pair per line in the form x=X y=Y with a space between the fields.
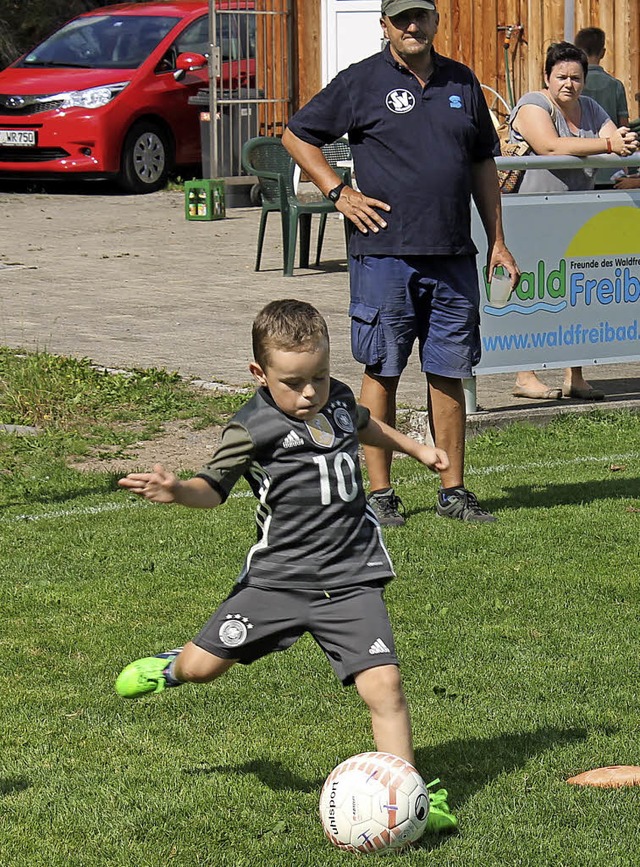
x=94 y=97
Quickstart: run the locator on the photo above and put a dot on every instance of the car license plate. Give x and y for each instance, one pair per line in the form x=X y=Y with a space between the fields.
x=21 y=138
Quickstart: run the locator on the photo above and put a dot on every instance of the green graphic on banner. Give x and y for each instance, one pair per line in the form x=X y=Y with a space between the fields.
x=578 y=299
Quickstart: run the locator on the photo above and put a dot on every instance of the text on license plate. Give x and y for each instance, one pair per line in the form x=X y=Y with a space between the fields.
x=18 y=137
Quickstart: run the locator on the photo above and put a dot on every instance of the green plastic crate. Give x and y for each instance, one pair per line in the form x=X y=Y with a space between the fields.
x=204 y=200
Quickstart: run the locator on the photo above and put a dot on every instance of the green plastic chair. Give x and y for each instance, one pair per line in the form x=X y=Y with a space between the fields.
x=267 y=159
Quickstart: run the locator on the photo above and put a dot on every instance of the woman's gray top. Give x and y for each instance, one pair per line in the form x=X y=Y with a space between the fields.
x=592 y=120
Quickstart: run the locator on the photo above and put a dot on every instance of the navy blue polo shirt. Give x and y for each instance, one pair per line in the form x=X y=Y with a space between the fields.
x=412 y=147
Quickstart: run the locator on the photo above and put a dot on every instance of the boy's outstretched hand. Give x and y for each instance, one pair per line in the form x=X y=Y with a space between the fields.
x=436 y=459
x=158 y=486
x=378 y=433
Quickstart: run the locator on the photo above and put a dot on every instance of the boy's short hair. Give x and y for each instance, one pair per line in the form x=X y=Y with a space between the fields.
x=288 y=324
x=590 y=40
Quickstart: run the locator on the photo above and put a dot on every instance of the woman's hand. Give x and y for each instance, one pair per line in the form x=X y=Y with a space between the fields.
x=624 y=142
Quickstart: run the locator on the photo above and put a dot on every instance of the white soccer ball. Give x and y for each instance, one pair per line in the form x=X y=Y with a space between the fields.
x=372 y=802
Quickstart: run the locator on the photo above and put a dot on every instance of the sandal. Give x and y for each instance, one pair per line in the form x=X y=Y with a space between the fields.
x=536 y=393
x=582 y=393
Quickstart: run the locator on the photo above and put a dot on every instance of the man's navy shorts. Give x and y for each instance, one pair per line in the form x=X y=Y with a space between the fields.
x=396 y=300
x=350 y=624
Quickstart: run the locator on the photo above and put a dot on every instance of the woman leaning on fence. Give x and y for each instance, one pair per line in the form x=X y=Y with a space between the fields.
x=560 y=121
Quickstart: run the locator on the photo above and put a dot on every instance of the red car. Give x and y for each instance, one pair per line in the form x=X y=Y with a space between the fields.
x=107 y=95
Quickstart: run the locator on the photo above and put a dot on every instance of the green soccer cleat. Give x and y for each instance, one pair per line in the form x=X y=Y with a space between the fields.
x=440 y=817
x=145 y=675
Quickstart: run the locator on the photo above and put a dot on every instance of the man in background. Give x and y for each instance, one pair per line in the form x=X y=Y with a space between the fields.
x=423 y=145
x=607 y=91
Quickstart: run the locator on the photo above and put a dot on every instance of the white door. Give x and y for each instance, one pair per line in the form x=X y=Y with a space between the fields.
x=350 y=32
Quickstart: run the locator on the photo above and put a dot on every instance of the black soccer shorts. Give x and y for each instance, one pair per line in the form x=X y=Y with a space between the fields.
x=351 y=625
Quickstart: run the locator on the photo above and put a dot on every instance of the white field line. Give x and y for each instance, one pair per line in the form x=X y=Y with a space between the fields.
x=470 y=471
x=549 y=465
x=88 y=510
x=497 y=469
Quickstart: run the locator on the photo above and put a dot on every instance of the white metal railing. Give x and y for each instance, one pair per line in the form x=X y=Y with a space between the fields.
x=532 y=161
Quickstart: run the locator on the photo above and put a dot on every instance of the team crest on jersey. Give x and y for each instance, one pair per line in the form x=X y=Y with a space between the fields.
x=234 y=630
x=400 y=101
x=321 y=431
x=343 y=419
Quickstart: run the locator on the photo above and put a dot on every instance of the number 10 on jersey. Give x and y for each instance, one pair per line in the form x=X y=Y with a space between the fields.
x=339 y=475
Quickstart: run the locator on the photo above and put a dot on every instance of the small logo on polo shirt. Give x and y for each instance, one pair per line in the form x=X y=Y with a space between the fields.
x=400 y=101
x=455 y=102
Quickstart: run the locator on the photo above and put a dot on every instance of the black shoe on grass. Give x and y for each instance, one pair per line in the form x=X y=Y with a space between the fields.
x=388 y=507
x=462 y=505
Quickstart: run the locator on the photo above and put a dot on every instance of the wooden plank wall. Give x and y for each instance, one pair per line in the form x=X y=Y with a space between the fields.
x=469 y=32
x=274 y=52
x=307 y=36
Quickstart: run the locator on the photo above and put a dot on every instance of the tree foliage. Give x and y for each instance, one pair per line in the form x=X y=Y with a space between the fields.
x=24 y=23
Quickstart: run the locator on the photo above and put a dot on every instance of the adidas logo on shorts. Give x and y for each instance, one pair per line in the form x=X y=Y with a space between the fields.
x=378 y=646
x=292 y=440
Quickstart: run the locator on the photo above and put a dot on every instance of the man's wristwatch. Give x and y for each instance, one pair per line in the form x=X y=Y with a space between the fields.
x=334 y=194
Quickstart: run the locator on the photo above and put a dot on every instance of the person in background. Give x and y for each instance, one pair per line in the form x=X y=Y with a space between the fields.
x=560 y=120
x=423 y=145
x=607 y=91
x=628 y=183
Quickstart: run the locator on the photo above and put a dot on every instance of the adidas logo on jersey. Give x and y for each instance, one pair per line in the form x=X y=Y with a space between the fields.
x=292 y=440
x=378 y=646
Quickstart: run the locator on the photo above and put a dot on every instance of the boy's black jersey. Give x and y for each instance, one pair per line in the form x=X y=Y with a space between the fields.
x=315 y=528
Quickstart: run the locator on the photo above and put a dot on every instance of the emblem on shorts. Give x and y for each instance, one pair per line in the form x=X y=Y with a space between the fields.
x=400 y=101
x=343 y=419
x=234 y=630
x=455 y=102
x=378 y=646
x=321 y=431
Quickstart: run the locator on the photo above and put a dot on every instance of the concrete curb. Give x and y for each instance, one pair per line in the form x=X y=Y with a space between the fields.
x=417 y=421
x=19 y=429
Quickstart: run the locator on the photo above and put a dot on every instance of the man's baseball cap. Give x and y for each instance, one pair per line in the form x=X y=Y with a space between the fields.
x=395 y=7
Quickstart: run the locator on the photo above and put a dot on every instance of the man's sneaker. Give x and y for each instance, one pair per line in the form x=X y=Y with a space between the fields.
x=463 y=505
x=388 y=507
x=146 y=675
x=440 y=817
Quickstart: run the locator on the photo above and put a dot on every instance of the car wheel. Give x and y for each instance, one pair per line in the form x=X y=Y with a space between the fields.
x=146 y=159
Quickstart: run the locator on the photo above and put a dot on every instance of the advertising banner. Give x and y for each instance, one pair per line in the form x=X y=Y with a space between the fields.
x=578 y=301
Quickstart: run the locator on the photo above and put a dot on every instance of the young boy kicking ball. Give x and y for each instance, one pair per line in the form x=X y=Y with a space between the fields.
x=319 y=564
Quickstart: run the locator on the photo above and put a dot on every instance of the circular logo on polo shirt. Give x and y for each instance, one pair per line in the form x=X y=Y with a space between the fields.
x=400 y=101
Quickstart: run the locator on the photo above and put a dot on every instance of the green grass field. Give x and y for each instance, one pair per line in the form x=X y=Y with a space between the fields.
x=517 y=640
